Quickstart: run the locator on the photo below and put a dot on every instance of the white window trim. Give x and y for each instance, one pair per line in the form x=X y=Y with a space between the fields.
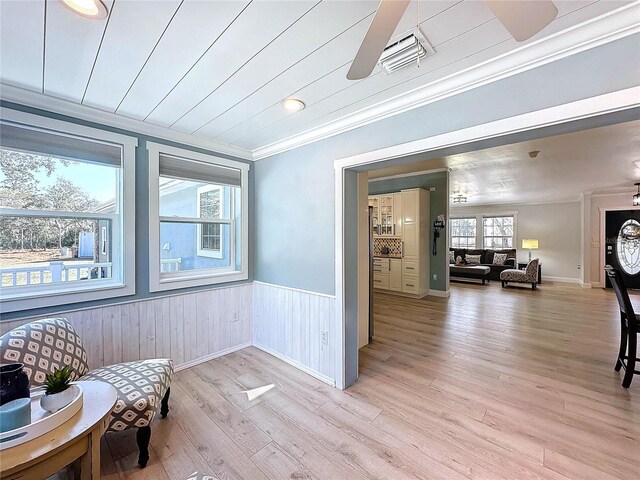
x=197 y=278
x=207 y=252
x=461 y=217
x=480 y=231
x=37 y=298
x=480 y=225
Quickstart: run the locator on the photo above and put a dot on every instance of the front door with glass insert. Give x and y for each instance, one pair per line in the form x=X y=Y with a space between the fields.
x=622 y=247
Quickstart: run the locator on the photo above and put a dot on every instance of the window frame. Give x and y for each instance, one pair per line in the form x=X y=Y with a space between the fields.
x=183 y=279
x=452 y=236
x=513 y=234
x=123 y=234
x=208 y=252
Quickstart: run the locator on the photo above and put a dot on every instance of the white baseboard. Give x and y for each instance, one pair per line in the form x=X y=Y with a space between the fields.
x=547 y=278
x=439 y=293
x=211 y=356
x=296 y=364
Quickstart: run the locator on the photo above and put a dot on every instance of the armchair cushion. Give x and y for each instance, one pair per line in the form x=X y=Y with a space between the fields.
x=44 y=346
x=140 y=385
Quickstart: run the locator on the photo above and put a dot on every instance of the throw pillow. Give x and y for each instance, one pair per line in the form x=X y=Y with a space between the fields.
x=499 y=258
x=451 y=257
x=472 y=259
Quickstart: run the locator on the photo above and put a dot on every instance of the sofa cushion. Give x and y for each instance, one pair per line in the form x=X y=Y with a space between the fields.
x=511 y=253
x=452 y=257
x=472 y=259
x=499 y=258
x=477 y=251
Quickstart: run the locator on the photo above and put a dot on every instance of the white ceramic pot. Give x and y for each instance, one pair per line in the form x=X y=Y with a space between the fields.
x=53 y=403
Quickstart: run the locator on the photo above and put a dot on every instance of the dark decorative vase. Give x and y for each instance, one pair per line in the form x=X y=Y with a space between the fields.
x=14 y=382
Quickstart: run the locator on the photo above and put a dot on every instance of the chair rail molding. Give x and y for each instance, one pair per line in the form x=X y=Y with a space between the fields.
x=598 y=31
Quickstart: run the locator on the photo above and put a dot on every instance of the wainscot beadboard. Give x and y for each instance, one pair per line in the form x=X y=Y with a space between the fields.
x=287 y=323
x=188 y=328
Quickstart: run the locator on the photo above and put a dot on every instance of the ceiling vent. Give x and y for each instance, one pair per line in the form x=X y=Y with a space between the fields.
x=410 y=49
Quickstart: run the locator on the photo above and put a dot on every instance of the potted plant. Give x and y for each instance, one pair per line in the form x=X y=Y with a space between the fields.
x=57 y=392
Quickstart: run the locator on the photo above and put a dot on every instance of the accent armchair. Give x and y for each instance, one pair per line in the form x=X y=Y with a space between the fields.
x=143 y=386
x=528 y=275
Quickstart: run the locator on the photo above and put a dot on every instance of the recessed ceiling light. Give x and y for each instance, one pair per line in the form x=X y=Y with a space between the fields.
x=87 y=8
x=293 y=104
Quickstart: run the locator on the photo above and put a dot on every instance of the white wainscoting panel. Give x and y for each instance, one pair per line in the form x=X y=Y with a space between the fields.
x=287 y=323
x=188 y=328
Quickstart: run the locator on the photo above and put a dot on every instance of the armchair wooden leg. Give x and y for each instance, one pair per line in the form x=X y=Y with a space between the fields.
x=142 y=437
x=533 y=286
x=504 y=284
x=164 y=407
x=623 y=342
x=631 y=359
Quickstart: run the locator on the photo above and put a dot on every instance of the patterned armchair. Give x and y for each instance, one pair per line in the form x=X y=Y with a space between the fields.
x=143 y=386
x=528 y=275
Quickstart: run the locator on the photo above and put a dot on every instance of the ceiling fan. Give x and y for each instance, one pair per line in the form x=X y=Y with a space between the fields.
x=522 y=18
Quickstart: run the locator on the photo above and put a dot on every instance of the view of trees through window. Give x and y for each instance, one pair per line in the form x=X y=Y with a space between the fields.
x=498 y=232
x=463 y=232
x=39 y=195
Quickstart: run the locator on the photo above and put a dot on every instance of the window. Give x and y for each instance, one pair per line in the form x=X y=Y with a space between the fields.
x=198 y=218
x=463 y=232
x=64 y=224
x=210 y=205
x=498 y=232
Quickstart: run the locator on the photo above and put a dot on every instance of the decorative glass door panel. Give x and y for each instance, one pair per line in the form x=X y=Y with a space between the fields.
x=622 y=247
x=386 y=215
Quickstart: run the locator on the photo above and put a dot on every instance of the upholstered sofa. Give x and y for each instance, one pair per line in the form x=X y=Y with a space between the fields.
x=486 y=259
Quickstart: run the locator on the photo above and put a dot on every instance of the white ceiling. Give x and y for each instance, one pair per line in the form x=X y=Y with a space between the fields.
x=219 y=69
x=599 y=160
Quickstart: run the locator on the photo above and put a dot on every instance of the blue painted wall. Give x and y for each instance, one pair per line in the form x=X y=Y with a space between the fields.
x=438 y=204
x=142 y=216
x=295 y=190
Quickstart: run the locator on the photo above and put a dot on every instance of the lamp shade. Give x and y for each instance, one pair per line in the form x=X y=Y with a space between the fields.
x=530 y=243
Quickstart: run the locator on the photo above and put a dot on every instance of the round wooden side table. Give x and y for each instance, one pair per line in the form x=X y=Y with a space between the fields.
x=77 y=440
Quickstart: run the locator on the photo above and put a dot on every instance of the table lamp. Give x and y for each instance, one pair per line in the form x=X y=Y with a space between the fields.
x=531 y=244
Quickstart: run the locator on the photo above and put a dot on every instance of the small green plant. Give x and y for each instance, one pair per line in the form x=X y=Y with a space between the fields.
x=59 y=380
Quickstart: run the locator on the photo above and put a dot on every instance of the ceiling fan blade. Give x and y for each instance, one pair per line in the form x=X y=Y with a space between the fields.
x=523 y=18
x=382 y=27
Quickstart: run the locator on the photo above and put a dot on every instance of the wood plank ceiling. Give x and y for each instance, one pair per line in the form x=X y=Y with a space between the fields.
x=219 y=69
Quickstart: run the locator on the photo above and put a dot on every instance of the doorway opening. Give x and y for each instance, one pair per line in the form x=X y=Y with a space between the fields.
x=386 y=173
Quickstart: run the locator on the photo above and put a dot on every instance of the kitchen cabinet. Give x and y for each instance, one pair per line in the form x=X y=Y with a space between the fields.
x=395 y=274
x=415 y=241
x=385 y=216
x=409 y=219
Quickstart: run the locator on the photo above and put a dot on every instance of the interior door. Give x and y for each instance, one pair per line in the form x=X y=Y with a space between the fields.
x=622 y=245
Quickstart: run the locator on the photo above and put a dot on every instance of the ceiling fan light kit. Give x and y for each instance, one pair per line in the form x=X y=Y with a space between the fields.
x=405 y=52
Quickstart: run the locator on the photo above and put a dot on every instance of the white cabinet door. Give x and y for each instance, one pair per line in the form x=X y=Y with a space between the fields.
x=410 y=206
x=395 y=274
x=411 y=241
x=397 y=214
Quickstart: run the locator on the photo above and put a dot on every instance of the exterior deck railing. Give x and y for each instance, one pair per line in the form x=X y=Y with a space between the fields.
x=54 y=272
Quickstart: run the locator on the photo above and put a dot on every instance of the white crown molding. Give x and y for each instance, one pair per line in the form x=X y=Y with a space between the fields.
x=52 y=104
x=598 y=31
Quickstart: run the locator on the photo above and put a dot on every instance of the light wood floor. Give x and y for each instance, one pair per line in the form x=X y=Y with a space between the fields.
x=490 y=384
